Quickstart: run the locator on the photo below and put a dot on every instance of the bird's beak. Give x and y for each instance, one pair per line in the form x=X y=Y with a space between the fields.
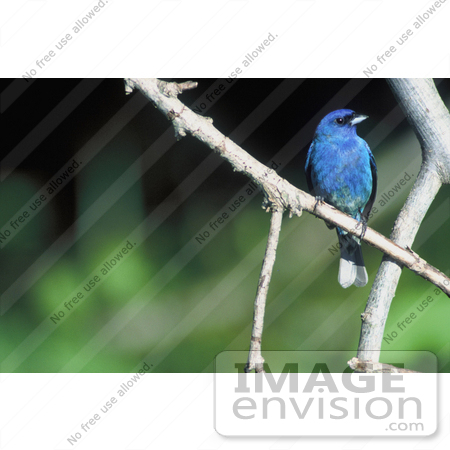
x=358 y=118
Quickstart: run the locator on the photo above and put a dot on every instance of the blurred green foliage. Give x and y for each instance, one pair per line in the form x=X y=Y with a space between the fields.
x=175 y=302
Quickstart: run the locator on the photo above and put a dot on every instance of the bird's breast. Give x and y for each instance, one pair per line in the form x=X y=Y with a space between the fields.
x=342 y=175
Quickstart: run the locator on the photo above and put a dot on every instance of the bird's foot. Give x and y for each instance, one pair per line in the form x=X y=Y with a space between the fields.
x=319 y=199
x=364 y=228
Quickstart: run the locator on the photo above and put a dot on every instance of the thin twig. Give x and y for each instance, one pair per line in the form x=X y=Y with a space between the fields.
x=255 y=359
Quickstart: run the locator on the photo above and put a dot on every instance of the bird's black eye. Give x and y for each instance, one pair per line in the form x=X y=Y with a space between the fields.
x=339 y=120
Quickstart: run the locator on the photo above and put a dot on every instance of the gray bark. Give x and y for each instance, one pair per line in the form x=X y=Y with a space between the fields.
x=255 y=359
x=430 y=120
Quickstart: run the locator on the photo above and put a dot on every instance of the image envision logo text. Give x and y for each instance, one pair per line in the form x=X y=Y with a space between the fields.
x=325 y=403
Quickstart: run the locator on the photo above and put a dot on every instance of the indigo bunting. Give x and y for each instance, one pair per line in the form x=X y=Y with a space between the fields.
x=340 y=169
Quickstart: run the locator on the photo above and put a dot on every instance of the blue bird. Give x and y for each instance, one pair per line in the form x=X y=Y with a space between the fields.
x=340 y=169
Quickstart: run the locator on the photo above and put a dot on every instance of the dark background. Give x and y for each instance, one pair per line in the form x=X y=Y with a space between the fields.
x=202 y=303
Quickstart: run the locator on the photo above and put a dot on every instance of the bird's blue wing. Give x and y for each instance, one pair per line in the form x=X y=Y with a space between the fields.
x=373 y=168
x=308 y=171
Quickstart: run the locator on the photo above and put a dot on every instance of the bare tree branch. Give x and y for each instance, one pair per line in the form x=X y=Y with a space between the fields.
x=430 y=120
x=255 y=359
x=277 y=189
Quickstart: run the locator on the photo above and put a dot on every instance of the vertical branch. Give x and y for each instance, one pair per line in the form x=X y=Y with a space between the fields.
x=430 y=121
x=383 y=290
x=255 y=359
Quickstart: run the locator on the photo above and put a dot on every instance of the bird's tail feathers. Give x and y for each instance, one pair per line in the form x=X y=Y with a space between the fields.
x=361 y=272
x=351 y=265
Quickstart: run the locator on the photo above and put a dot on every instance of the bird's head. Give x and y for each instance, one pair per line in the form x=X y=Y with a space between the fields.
x=340 y=123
